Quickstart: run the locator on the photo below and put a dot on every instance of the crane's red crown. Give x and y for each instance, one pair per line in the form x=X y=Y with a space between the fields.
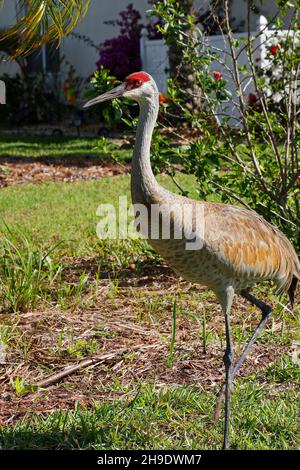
x=136 y=79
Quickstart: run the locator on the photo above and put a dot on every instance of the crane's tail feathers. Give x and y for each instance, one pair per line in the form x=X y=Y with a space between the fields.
x=292 y=289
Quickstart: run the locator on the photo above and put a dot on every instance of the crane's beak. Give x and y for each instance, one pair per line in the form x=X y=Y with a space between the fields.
x=109 y=95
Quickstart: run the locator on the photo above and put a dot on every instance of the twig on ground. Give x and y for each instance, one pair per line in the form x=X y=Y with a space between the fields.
x=93 y=361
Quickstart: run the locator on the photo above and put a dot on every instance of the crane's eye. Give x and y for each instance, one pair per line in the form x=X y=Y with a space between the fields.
x=132 y=84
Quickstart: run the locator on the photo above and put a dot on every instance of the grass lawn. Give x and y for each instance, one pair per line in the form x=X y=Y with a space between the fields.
x=176 y=418
x=51 y=212
x=52 y=147
x=116 y=300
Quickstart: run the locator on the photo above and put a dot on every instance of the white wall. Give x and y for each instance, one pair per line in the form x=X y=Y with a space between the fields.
x=8 y=17
x=268 y=8
x=8 y=13
x=83 y=57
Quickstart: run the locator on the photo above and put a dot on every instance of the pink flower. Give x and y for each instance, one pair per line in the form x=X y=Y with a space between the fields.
x=217 y=75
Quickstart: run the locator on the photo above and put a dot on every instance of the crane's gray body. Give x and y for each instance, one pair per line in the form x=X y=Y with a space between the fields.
x=232 y=248
x=239 y=247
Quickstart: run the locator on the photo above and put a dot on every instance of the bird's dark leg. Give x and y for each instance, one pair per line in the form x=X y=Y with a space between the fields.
x=266 y=312
x=226 y=301
x=228 y=356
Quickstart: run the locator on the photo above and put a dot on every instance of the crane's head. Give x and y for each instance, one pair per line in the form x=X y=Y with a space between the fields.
x=139 y=86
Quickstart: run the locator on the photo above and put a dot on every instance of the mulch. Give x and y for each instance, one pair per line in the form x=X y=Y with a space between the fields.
x=23 y=170
x=132 y=349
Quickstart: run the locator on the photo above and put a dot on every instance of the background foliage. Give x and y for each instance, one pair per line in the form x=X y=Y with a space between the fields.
x=255 y=163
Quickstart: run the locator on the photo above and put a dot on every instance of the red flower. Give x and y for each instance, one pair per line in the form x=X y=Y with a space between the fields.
x=217 y=75
x=162 y=98
x=252 y=98
x=274 y=49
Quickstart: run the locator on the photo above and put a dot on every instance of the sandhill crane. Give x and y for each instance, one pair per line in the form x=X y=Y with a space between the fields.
x=239 y=248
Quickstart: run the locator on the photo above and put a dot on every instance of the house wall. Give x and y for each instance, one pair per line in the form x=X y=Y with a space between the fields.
x=267 y=8
x=83 y=57
x=7 y=17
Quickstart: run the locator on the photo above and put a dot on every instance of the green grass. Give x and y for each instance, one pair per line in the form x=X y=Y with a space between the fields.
x=60 y=218
x=53 y=147
x=175 y=418
x=23 y=271
x=49 y=212
x=265 y=405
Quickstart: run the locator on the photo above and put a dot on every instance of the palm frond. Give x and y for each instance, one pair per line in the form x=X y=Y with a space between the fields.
x=44 y=21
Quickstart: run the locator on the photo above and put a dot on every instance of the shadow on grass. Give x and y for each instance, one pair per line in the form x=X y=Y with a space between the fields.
x=55 y=440
x=55 y=150
x=75 y=159
x=149 y=419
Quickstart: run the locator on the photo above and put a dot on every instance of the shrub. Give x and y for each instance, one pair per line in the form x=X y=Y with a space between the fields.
x=121 y=55
x=31 y=99
x=255 y=163
x=111 y=112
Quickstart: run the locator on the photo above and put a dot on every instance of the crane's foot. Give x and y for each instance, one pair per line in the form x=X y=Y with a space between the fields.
x=225 y=443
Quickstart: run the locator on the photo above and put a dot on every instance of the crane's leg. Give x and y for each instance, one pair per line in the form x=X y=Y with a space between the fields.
x=266 y=313
x=226 y=302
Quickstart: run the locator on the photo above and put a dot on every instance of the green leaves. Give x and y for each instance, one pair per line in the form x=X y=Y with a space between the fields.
x=255 y=161
x=112 y=112
x=175 y=23
x=23 y=272
x=44 y=21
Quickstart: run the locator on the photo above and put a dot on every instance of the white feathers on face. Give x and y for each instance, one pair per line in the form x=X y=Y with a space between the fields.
x=146 y=92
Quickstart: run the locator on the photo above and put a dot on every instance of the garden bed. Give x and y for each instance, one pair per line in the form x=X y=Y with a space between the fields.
x=20 y=171
x=129 y=332
x=111 y=303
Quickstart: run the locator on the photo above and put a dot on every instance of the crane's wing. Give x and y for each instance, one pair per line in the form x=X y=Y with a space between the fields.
x=249 y=247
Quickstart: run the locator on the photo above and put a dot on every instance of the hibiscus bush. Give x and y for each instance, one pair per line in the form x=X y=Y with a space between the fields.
x=244 y=147
x=279 y=76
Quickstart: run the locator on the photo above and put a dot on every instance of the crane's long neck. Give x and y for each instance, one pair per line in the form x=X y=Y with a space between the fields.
x=144 y=187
